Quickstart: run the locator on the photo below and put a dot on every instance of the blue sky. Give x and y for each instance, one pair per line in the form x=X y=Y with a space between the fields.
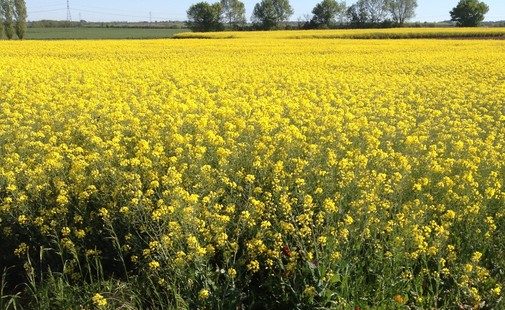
x=134 y=10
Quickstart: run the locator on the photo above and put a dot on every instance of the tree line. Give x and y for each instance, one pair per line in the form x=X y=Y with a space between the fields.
x=13 y=15
x=272 y=14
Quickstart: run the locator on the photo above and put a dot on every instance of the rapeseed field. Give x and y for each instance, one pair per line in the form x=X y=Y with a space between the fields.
x=257 y=172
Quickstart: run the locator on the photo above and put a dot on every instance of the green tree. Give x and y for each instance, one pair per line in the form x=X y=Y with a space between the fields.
x=205 y=17
x=1 y=20
x=268 y=14
x=366 y=12
x=401 y=10
x=326 y=11
x=21 y=15
x=357 y=14
x=469 y=13
x=233 y=13
x=376 y=9
x=8 y=17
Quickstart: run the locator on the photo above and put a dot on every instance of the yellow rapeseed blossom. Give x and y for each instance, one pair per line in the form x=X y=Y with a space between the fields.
x=253 y=266
x=476 y=256
x=232 y=273
x=21 y=249
x=496 y=290
x=203 y=294
x=309 y=291
x=99 y=301
x=154 y=265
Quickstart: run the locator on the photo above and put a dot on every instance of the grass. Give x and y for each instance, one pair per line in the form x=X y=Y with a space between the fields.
x=100 y=33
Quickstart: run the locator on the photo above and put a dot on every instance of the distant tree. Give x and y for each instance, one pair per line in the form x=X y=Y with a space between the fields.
x=401 y=10
x=268 y=14
x=469 y=13
x=376 y=9
x=357 y=14
x=8 y=17
x=304 y=21
x=365 y=12
x=233 y=13
x=205 y=17
x=1 y=20
x=326 y=11
x=21 y=15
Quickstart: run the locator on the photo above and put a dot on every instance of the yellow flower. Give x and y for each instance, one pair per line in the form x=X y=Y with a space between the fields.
x=468 y=268
x=68 y=244
x=104 y=213
x=203 y=294
x=154 y=265
x=496 y=290
x=11 y=187
x=336 y=256
x=476 y=256
x=450 y=214
x=192 y=242
x=329 y=206
x=266 y=224
x=21 y=250
x=153 y=245
x=65 y=231
x=322 y=240
x=80 y=233
x=99 y=301
x=180 y=258
x=309 y=291
x=253 y=266
x=23 y=219
x=474 y=292
x=222 y=238
x=232 y=273
x=400 y=299
x=250 y=178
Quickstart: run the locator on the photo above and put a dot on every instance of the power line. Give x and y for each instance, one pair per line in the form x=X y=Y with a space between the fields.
x=44 y=11
x=101 y=8
x=148 y=16
x=40 y=7
x=107 y=13
x=77 y=10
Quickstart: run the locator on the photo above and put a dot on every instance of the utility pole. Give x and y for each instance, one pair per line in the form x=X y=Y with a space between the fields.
x=150 y=18
x=69 y=16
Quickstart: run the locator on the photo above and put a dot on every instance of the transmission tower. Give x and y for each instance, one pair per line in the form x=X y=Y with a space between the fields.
x=69 y=16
